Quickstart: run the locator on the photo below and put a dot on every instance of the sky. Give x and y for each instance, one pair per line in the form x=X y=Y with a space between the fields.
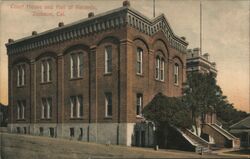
x=225 y=32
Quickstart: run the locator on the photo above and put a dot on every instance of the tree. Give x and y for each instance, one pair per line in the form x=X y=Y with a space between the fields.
x=203 y=95
x=167 y=112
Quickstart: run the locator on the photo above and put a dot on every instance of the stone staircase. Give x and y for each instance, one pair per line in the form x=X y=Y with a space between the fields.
x=200 y=144
x=216 y=131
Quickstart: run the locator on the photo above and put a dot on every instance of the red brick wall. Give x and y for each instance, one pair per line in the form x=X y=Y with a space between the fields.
x=124 y=42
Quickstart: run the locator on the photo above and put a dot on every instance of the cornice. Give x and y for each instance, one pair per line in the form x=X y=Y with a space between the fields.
x=102 y=22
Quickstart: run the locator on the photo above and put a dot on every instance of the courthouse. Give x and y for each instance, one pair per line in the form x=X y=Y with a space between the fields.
x=90 y=80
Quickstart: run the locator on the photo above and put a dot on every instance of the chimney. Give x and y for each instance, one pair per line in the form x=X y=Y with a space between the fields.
x=126 y=3
x=91 y=14
x=34 y=33
x=60 y=24
x=206 y=56
x=183 y=38
x=10 y=40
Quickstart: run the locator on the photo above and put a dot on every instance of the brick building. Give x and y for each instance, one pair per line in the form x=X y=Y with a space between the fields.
x=198 y=62
x=89 y=80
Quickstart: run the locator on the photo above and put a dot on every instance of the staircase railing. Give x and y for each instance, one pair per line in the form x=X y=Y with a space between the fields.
x=196 y=138
x=226 y=132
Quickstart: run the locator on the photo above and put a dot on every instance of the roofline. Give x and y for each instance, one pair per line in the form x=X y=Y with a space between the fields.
x=240 y=121
x=152 y=21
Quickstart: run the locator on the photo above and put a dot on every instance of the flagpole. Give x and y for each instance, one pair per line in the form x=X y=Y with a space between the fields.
x=200 y=27
x=154 y=8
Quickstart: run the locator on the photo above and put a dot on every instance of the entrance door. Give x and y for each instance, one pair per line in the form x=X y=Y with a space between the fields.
x=137 y=138
x=142 y=138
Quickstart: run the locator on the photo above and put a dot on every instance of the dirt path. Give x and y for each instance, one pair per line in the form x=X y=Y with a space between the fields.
x=15 y=146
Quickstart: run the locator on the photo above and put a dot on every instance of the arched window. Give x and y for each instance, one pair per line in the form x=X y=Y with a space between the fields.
x=176 y=74
x=157 y=68
x=46 y=70
x=21 y=75
x=108 y=59
x=162 y=70
x=139 y=53
x=76 y=65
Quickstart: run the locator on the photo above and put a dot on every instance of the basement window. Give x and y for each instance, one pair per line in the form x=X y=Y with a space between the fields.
x=41 y=131
x=72 y=132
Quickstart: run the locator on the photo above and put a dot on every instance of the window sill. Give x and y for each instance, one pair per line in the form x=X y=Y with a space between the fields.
x=20 y=86
x=140 y=74
x=45 y=119
x=107 y=74
x=44 y=83
x=76 y=118
x=108 y=117
x=76 y=78
x=139 y=117
x=158 y=80
x=21 y=120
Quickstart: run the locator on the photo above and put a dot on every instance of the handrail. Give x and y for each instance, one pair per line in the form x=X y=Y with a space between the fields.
x=231 y=135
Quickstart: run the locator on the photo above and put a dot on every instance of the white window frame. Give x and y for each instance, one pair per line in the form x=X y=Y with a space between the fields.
x=72 y=106
x=107 y=104
x=18 y=76
x=46 y=103
x=157 y=68
x=43 y=109
x=23 y=74
x=18 y=110
x=23 y=110
x=176 y=74
x=42 y=71
x=79 y=105
x=80 y=64
x=139 y=62
x=48 y=108
x=48 y=70
x=108 y=59
x=71 y=66
x=162 y=69
x=139 y=102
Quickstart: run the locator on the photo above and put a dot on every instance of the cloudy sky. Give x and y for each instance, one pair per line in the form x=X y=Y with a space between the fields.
x=225 y=32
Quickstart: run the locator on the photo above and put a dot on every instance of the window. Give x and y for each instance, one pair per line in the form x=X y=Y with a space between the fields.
x=49 y=71
x=176 y=74
x=21 y=75
x=42 y=72
x=139 y=104
x=108 y=104
x=18 y=129
x=76 y=106
x=24 y=130
x=21 y=109
x=51 y=132
x=81 y=133
x=46 y=108
x=76 y=65
x=18 y=111
x=46 y=71
x=108 y=59
x=41 y=131
x=72 y=132
x=139 y=61
x=157 y=68
x=162 y=70
x=80 y=65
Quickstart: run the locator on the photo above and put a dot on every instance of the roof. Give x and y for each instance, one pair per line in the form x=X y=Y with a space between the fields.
x=125 y=15
x=243 y=124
